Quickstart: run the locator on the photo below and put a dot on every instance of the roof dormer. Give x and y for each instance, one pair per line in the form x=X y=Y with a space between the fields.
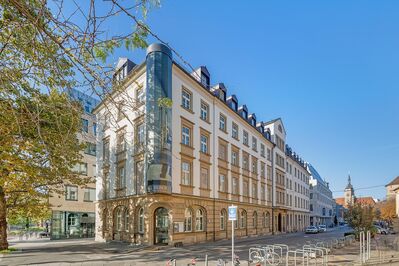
x=122 y=69
x=260 y=127
x=252 y=119
x=243 y=111
x=220 y=91
x=232 y=102
x=202 y=75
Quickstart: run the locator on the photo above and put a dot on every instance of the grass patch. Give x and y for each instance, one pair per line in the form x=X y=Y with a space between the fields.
x=7 y=251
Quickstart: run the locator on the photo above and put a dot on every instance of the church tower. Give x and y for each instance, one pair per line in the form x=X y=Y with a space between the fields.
x=349 y=193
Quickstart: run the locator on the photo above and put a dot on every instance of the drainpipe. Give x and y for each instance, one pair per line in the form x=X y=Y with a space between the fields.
x=273 y=190
x=214 y=170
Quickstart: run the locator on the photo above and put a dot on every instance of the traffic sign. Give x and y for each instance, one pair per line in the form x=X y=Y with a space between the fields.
x=232 y=213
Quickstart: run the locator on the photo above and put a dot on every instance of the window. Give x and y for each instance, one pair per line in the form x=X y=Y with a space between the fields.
x=262 y=150
x=269 y=154
x=245 y=137
x=269 y=173
x=245 y=188
x=254 y=144
x=311 y=207
x=140 y=135
x=121 y=111
x=90 y=148
x=188 y=216
x=106 y=151
x=72 y=219
x=223 y=219
x=71 y=193
x=243 y=217
x=262 y=170
x=90 y=194
x=245 y=162
x=85 y=125
x=254 y=191
x=222 y=183
x=139 y=173
x=141 y=221
x=222 y=151
x=186 y=173
x=204 y=111
x=94 y=129
x=204 y=144
x=235 y=186
x=140 y=96
x=126 y=219
x=234 y=131
x=121 y=176
x=255 y=220
x=199 y=220
x=185 y=136
x=222 y=122
x=120 y=142
x=118 y=216
x=204 y=178
x=254 y=166
x=80 y=168
x=234 y=158
x=186 y=99
x=262 y=192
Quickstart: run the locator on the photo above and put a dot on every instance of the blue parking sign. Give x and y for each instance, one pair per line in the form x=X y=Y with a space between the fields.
x=232 y=213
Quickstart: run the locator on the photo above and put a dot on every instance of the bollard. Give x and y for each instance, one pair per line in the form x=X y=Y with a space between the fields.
x=206 y=259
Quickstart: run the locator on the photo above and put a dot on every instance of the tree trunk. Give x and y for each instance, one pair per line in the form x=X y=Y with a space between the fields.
x=3 y=220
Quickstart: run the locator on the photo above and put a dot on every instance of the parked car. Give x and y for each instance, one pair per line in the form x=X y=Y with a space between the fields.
x=322 y=228
x=311 y=230
x=381 y=230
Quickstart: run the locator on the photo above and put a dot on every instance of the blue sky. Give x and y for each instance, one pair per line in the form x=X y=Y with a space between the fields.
x=329 y=69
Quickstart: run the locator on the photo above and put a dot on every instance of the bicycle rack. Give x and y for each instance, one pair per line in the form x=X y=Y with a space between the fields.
x=314 y=252
x=305 y=255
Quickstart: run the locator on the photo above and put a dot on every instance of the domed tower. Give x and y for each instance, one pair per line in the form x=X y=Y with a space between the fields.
x=349 y=193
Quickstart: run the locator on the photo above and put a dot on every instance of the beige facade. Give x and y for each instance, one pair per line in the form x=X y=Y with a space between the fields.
x=73 y=213
x=221 y=156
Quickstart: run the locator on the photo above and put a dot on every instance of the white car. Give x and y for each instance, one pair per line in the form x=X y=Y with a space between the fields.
x=381 y=230
x=322 y=228
x=311 y=230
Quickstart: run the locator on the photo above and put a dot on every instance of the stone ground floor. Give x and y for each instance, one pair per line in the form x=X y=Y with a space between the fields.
x=177 y=219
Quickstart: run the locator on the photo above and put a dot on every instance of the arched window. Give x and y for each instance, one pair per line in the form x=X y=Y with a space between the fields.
x=255 y=220
x=199 y=220
x=126 y=219
x=236 y=222
x=243 y=219
x=118 y=222
x=188 y=216
x=267 y=219
x=223 y=219
x=263 y=219
x=141 y=221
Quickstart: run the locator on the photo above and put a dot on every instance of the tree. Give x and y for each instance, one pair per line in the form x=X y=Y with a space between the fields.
x=46 y=50
x=360 y=217
x=387 y=210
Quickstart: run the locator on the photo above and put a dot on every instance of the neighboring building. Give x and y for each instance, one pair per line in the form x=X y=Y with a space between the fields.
x=297 y=191
x=397 y=201
x=392 y=188
x=340 y=213
x=350 y=198
x=73 y=214
x=321 y=200
x=165 y=179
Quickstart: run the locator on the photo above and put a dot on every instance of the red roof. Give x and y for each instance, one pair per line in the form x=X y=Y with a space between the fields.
x=365 y=201
x=340 y=201
x=394 y=182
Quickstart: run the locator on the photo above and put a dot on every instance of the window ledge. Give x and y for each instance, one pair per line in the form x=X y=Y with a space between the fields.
x=188 y=110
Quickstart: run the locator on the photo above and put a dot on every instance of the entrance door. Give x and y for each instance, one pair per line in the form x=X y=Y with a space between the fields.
x=279 y=223
x=161 y=226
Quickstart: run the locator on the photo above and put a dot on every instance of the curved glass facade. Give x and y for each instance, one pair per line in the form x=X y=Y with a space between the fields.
x=158 y=120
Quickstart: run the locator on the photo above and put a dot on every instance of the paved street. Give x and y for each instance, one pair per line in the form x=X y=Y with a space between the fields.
x=88 y=252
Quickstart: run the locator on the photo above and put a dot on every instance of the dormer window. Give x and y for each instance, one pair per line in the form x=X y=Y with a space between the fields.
x=234 y=105
x=222 y=95
x=245 y=114
x=204 y=80
x=253 y=122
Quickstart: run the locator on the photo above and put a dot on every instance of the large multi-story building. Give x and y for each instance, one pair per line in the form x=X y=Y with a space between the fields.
x=321 y=200
x=168 y=170
x=73 y=214
x=297 y=191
